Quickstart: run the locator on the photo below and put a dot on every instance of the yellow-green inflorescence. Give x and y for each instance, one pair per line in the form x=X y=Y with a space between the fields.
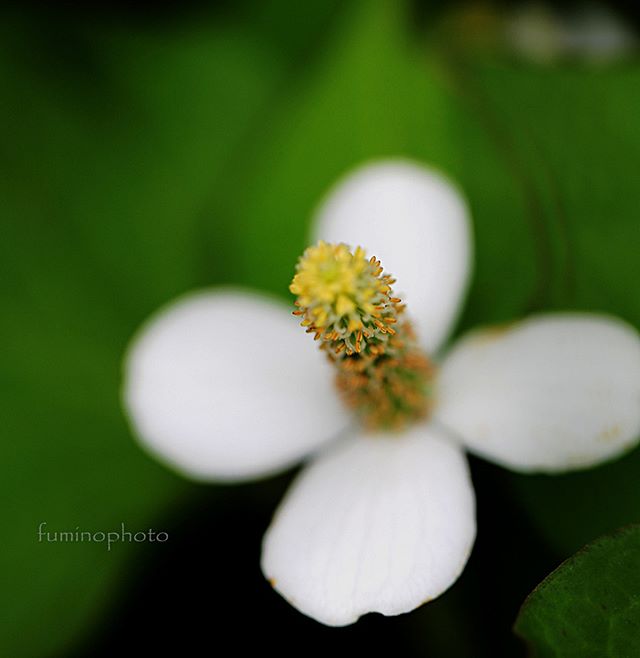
x=346 y=301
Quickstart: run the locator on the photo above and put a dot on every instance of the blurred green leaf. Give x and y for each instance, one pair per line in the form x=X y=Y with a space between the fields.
x=565 y=508
x=113 y=143
x=590 y=605
x=377 y=94
x=574 y=134
x=574 y=141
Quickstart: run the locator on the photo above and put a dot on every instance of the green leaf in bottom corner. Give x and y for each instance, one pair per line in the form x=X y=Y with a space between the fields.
x=590 y=605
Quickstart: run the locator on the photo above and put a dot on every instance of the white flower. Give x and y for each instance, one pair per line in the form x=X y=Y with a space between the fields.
x=223 y=385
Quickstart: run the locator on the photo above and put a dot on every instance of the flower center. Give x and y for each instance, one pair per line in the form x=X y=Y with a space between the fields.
x=346 y=301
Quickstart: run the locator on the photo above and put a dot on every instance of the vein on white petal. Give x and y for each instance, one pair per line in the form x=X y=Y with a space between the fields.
x=378 y=523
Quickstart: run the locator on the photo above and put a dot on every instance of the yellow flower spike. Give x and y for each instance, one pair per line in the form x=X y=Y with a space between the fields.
x=340 y=293
x=346 y=302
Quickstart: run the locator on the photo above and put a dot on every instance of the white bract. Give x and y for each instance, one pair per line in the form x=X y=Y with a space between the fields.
x=223 y=385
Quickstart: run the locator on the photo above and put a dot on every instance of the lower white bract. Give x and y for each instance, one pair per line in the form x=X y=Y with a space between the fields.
x=378 y=523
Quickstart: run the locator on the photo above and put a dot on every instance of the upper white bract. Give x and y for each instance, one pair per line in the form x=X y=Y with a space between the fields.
x=225 y=385
x=417 y=224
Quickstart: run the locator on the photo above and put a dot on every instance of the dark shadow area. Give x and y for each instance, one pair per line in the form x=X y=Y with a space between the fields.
x=204 y=589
